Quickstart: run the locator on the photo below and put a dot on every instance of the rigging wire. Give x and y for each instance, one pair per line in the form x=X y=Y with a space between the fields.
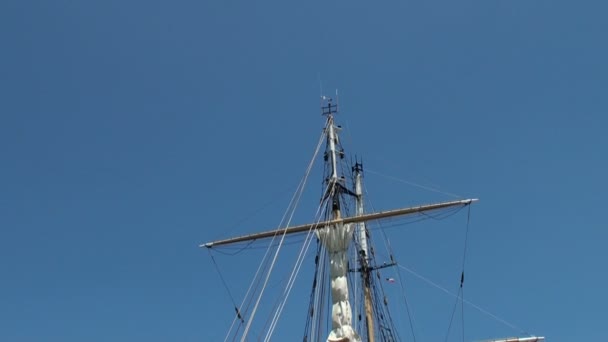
x=256 y=282
x=238 y=313
x=323 y=300
x=401 y=282
x=238 y=249
x=473 y=305
x=312 y=294
x=255 y=212
x=250 y=246
x=296 y=270
x=424 y=187
x=321 y=208
x=460 y=296
x=462 y=312
x=464 y=258
x=253 y=286
x=447 y=335
x=379 y=310
x=328 y=195
x=293 y=204
x=390 y=252
x=423 y=216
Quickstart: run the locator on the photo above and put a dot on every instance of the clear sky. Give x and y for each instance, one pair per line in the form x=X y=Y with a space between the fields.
x=132 y=131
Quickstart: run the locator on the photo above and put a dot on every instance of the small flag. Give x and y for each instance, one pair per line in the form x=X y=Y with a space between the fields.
x=390 y=280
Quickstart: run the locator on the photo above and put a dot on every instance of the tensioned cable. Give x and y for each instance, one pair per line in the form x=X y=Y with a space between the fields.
x=464 y=258
x=447 y=334
x=319 y=308
x=238 y=314
x=256 y=279
x=249 y=246
x=413 y=184
x=461 y=289
x=239 y=310
x=299 y=262
x=321 y=208
x=239 y=250
x=296 y=270
x=407 y=306
x=293 y=204
x=401 y=283
x=310 y=323
x=255 y=212
x=396 y=222
x=473 y=305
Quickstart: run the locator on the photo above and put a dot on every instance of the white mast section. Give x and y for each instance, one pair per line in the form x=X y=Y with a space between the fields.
x=332 y=139
x=361 y=234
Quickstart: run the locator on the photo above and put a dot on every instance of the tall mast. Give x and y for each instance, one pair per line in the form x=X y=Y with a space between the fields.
x=363 y=252
x=336 y=232
x=336 y=238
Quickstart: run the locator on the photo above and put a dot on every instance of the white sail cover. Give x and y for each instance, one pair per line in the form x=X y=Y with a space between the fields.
x=336 y=240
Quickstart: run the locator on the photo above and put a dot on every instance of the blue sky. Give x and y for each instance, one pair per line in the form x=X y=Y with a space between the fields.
x=132 y=131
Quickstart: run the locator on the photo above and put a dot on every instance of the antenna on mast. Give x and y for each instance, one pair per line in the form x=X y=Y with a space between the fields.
x=320 y=84
x=328 y=108
x=337 y=98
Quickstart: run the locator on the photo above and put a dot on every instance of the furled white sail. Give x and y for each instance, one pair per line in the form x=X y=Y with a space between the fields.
x=336 y=238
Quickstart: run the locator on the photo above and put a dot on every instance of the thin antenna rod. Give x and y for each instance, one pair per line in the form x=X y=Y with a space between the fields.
x=320 y=84
x=337 y=98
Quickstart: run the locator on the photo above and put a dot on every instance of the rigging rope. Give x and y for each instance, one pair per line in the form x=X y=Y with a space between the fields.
x=238 y=313
x=473 y=305
x=247 y=298
x=389 y=249
x=293 y=204
x=464 y=258
x=428 y=188
x=312 y=293
x=254 y=212
x=461 y=289
x=296 y=270
x=453 y=311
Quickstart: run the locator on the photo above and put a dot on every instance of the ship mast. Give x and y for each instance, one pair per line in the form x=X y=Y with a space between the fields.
x=336 y=238
x=336 y=233
x=363 y=251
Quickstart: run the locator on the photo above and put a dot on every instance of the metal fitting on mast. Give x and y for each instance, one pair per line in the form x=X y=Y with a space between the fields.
x=360 y=230
x=328 y=108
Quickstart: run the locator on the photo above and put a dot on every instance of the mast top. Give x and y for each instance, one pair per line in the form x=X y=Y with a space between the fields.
x=328 y=108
